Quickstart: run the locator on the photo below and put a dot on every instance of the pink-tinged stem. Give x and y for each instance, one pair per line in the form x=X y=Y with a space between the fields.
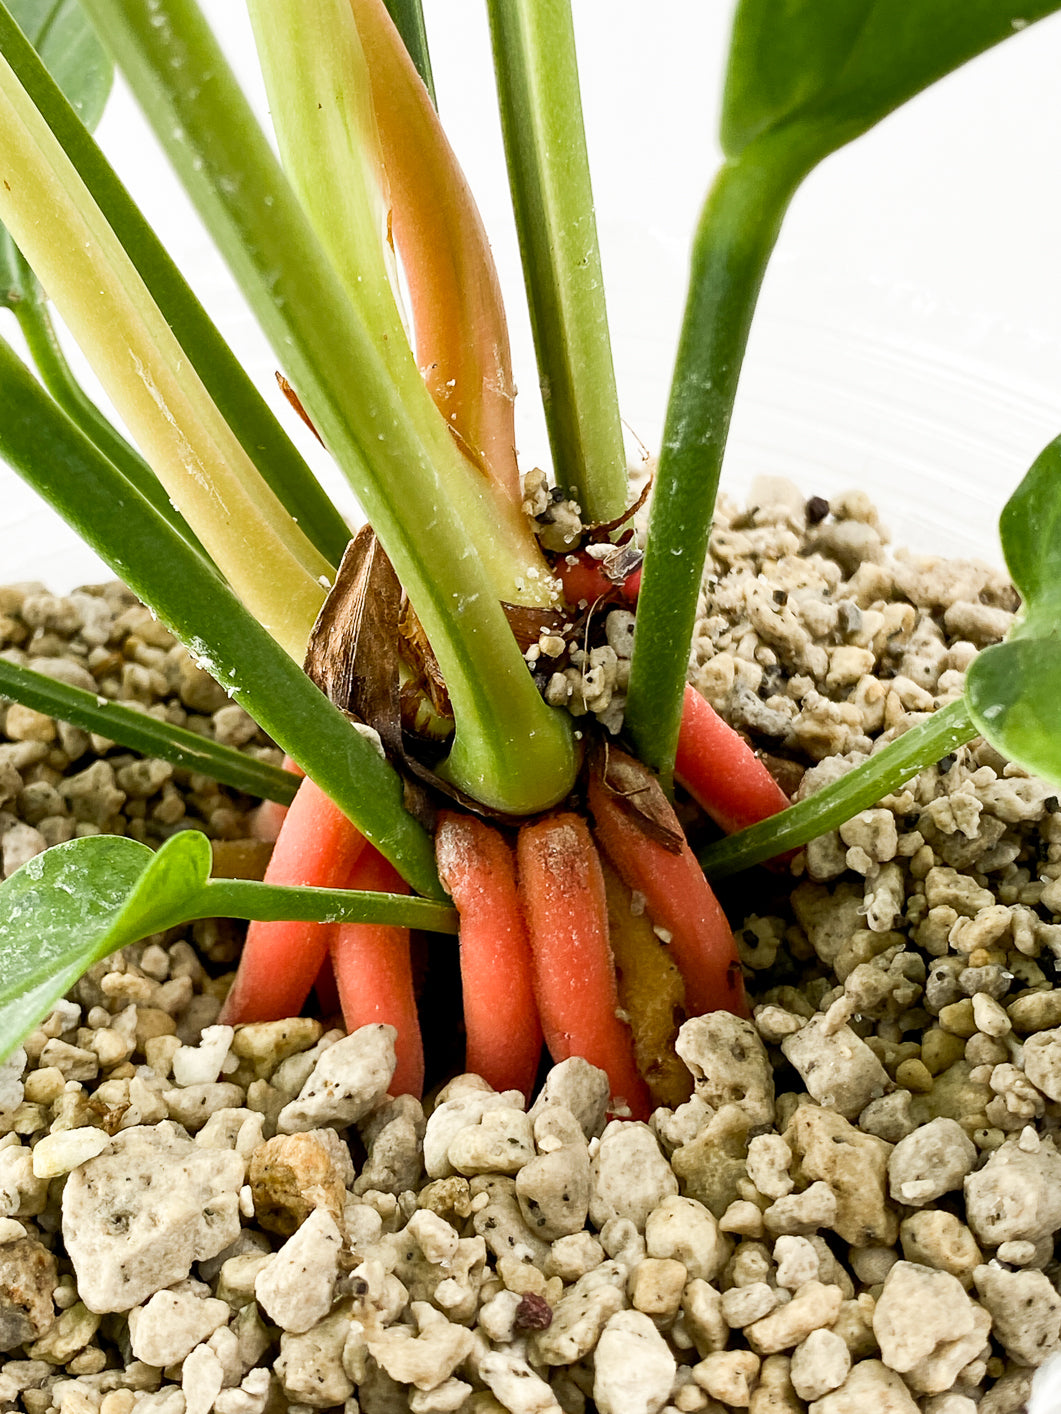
x=461 y=335
x=504 y=1035
x=373 y=972
x=317 y=845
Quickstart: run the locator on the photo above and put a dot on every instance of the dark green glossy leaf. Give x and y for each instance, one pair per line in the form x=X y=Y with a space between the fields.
x=833 y=68
x=1014 y=696
x=1014 y=688
x=1030 y=530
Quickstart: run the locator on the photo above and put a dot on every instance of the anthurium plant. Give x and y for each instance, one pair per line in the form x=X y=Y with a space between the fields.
x=433 y=779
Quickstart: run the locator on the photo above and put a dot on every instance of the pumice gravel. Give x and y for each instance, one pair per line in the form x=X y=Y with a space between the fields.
x=855 y=1211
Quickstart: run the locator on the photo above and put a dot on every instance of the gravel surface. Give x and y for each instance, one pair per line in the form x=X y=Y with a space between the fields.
x=855 y=1210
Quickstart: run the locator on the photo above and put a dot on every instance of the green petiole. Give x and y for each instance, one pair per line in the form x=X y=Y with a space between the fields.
x=49 y=451
x=735 y=237
x=886 y=771
x=545 y=146
x=141 y=732
x=510 y=749
x=89 y=897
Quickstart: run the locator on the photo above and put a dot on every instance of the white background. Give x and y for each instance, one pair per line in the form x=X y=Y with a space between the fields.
x=908 y=338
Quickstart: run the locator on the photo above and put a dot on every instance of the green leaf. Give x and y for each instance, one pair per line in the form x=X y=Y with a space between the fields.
x=1014 y=688
x=78 y=902
x=804 y=78
x=830 y=69
x=1030 y=531
x=72 y=905
x=1014 y=695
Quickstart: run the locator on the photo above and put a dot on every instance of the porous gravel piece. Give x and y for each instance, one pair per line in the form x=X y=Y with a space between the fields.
x=684 y=1230
x=633 y=1368
x=516 y=1386
x=853 y=1165
x=937 y=1239
x=393 y=1134
x=1016 y=1196
x=317 y=1367
x=728 y=1375
x=729 y=1064
x=136 y=1217
x=28 y=1278
x=629 y=1175
x=813 y=1306
x=837 y=1067
x=201 y=1064
x=800 y=1213
x=580 y=1316
x=12 y=1088
x=554 y=1191
x=461 y=1104
x=290 y=1175
x=172 y=1323
x=920 y=1315
x=1025 y=1310
x=1042 y=1062
x=423 y=1357
x=295 y=1289
x=581 y=1087
x=202 y=1376
x=934 y=1160
x=348 y=1081
x=870 y=1385
x=744 y=1305
x=502 y=1142
x=769 y=1158
x=819 y=1364
x=59 y=1153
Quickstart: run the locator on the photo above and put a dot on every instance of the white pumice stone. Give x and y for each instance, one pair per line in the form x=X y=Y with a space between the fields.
x=171 y=1324
x=865 y=1225
x=295 y=1289
x=633 y=1369
x=59 y=1153
x=195 y=1065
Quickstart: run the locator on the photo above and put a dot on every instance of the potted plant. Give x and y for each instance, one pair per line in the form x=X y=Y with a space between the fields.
x=423 y=629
